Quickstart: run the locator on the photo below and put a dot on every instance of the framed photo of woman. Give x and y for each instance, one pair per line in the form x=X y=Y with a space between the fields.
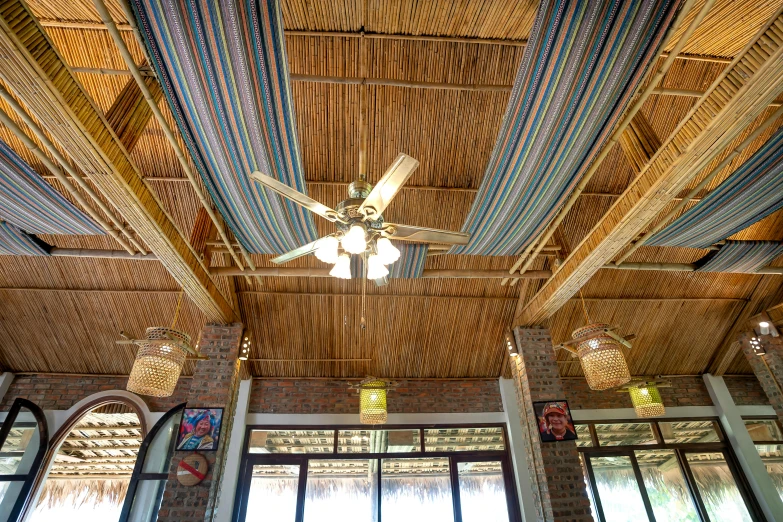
x=554 y=421
x=200 y=429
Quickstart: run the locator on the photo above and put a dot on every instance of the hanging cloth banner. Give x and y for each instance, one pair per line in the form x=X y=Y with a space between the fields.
x=14 y=242
x=582 y=64
x=29 y=202
x=224 y=69
x=749 y=194
x=741 y=257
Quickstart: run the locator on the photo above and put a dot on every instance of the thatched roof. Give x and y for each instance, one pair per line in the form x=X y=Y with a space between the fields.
x=63 y=314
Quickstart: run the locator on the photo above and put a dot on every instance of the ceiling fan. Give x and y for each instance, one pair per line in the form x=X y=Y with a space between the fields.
x=360 y=224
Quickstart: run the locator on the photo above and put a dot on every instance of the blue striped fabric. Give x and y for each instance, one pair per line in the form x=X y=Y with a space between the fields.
x=744 y=257
x=410 y=265
x=14 y=242
x=224 y=69
x=582 y=64
x=749 y=194
x=29 y=202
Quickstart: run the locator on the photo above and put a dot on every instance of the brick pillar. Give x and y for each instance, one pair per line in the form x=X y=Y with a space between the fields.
x=768 y=368
x=215 y=384
x=555 y=472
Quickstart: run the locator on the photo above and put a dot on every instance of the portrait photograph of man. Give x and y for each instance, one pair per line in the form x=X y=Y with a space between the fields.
x=200 y=429
x=554 y=421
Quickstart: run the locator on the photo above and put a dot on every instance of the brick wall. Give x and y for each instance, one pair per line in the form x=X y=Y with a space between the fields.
x=60 y=392
x=768 y=369
x=414 y=396
x=746 y=390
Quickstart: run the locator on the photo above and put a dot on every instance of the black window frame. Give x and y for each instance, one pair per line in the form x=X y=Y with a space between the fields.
x=248 y=460
x=680 y=451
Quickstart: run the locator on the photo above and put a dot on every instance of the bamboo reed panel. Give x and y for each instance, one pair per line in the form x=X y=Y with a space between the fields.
x=716 y=121
x=57 y=100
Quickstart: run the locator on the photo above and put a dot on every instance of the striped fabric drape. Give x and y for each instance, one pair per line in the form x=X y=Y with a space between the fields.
x=410 y=265
x=581 y=66
x=29 y=202
x=744 y=257
x=224 y=69
x=749 y=194
x=14 y=242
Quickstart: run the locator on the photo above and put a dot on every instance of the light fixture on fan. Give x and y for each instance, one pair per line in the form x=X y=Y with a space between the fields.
x=361 y=228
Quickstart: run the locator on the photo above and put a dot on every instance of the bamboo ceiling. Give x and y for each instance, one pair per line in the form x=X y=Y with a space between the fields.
x=65 y=314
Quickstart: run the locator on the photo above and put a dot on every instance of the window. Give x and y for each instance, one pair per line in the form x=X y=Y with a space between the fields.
x=394 y=473
x=768 y=436
x=675 y=470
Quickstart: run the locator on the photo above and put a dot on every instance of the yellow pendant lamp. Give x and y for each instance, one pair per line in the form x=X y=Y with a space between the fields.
x=372 y=400
x=646 y=397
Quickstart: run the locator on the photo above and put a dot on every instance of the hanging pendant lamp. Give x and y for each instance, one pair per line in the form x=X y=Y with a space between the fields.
x=646 y=396
x=372 y=400
x=158 y=362
x=601 y=358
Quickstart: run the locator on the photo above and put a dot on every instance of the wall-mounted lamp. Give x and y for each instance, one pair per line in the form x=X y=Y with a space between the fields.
x=758 y=346
x=511 y=345
x=244 y=350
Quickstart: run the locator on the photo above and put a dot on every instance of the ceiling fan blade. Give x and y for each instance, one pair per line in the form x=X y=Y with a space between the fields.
x=309 y=248
x=295 y=196
x=426 y=235
x=389 y=185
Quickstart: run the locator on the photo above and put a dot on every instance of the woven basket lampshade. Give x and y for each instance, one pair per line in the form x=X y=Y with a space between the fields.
x=601 y=358
x=372 y=402
x=646 y=400
x=158 y=362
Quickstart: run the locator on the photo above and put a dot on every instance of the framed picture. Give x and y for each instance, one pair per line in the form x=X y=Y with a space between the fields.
x=554 y=421
x=200 y=429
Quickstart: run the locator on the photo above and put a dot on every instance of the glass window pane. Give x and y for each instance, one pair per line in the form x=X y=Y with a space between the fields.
x=158 y=455
x=688 y=432
x=416 y=489
x=772 y=456
x=340 y=490
x=763 y=430
x=593 y=510
x=625 y=434
x=666 y=487
x=147 y=500
x=21 y=445
x=378 y=441
x=464 y=439
x=291 y=441
x=482 y=492
x=717 y=488
x=583 y=438
x=272 y=494
x=618 y=490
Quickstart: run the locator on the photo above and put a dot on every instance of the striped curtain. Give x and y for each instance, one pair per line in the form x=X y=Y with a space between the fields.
x=581 y=66
x=744 y=257
x=29 y=202
x=224 y=69
x=14 y=242
x=751 y=193
x=410 y=265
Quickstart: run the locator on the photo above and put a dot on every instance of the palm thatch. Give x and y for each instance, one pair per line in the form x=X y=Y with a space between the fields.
x=83 y=492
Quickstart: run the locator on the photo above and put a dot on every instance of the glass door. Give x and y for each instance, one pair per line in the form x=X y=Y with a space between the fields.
x=724 y=498
x=273 y=489
x=24 y=440
x=483 y=491
x=619 y=494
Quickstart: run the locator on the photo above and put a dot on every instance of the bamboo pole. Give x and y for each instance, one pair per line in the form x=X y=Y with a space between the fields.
x=530 y=252
x=324 y=272
x=62 y=178
x=702 y=184
x=120 y=43
x=307 y=360
x=100 y=254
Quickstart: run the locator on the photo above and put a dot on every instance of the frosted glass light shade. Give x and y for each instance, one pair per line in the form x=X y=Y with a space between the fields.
x=327 y=250
x=342 y=269
x=355 y=241
x=386 y=251
x=375 y=267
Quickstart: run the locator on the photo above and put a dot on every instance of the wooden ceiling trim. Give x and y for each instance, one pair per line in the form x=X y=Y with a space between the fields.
x=38 y=75
x=731 y=104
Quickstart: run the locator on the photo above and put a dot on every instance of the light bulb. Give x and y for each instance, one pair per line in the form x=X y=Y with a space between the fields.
x=327 y=250
x=388 y=252
x=342 y=269
x=375 y=267
x=355 y=241
x=644 y=391
x=764 y=328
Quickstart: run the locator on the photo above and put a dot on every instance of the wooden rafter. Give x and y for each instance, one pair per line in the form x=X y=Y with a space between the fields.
x=735 y=99
x=40 y=78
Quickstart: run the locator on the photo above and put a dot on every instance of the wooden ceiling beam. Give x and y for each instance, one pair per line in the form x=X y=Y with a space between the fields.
x=38 y=76
x=732 y=103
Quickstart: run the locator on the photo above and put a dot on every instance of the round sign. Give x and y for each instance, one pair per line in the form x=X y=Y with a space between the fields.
x=192 y=469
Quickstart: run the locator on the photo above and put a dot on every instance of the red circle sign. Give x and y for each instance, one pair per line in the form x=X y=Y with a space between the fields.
x=192 y=469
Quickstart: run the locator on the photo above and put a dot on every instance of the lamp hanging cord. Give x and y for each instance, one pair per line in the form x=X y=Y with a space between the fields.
x=176 y=312
x=584 y=308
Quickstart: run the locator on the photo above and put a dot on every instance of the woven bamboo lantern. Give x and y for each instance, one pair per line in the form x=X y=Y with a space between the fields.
x=601 y=358
x=372 y=400
x=158 y=362
x=647 y=400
